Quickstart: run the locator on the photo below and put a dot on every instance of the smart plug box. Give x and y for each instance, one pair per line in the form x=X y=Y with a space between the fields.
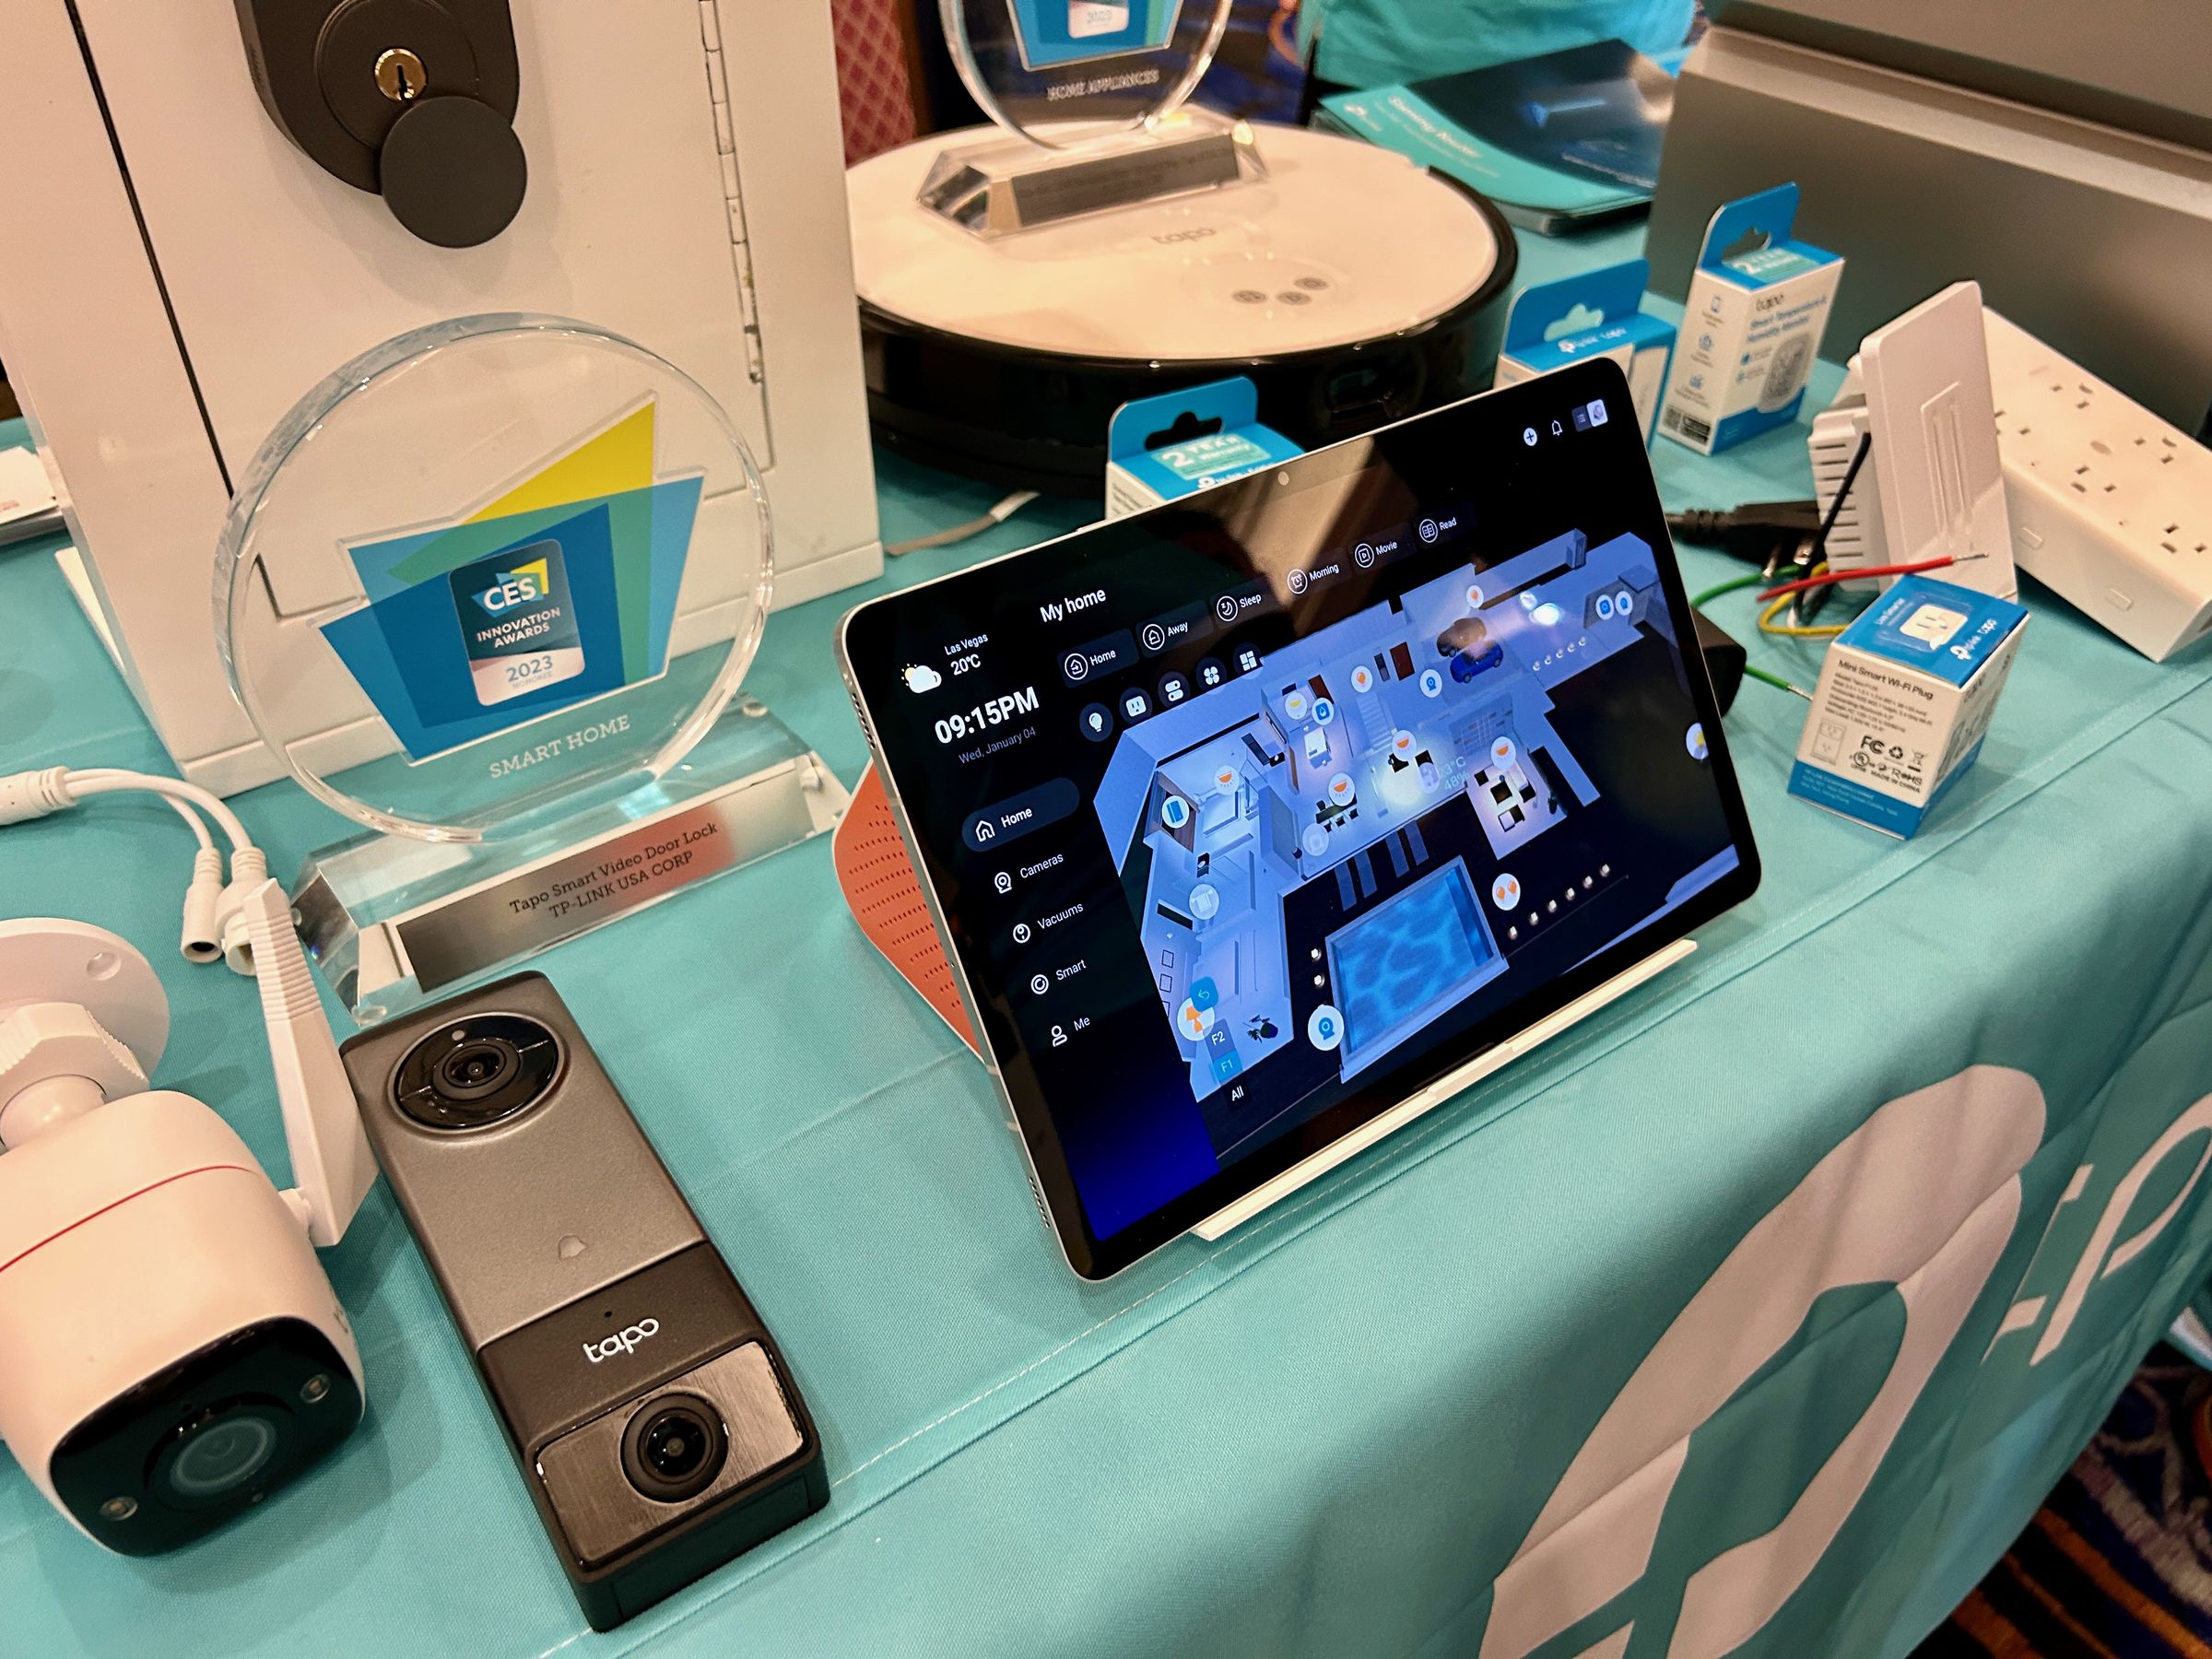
x=1592 y=313
x=1904 y=699
x=1159 y=448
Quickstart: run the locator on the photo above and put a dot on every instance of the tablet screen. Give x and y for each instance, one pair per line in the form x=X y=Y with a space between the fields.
x=1247 y=818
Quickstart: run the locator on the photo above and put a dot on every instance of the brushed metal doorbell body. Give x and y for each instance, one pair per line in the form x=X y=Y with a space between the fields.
x=655 y=1421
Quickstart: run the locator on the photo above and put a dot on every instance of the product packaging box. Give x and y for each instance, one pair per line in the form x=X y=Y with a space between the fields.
x=1903 y=702
x=1592 y=313
x=1159 y=448
x=1751 y=327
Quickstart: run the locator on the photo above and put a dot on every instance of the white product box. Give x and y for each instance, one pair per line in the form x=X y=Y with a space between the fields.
x=1592 y=313
x=1751 y=327
x=1162 y=447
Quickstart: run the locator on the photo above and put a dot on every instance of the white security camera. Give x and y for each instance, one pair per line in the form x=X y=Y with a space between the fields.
x=170 y=1351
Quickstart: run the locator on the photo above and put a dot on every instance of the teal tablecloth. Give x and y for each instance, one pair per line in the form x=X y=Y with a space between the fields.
x=1332 y=1432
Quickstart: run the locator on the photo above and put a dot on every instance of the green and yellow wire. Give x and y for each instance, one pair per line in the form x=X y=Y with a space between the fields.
x=1734 y=583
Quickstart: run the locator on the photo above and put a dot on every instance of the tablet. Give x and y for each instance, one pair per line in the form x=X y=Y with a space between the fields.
x=1246 y=820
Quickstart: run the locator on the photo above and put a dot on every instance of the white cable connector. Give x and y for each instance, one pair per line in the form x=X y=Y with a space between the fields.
x=249 y=869
x=31 y=794
x=202 y=940
x=214 y=922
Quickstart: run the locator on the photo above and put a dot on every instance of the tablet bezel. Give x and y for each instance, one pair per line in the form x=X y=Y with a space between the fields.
x=1486 y=418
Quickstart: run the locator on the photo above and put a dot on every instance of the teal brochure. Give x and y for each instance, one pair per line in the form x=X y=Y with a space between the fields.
x=1555 y=140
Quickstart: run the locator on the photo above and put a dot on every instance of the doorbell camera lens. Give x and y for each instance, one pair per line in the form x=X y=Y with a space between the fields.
x=479 y=1072
x=674 y=1448
x=477 y=1069
x=215 y=1456
x=673 y=1445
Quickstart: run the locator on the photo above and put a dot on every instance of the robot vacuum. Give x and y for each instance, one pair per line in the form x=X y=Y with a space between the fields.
x=1351 y=285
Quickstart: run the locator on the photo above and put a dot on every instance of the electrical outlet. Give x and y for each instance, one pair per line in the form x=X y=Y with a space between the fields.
x=2111 y=507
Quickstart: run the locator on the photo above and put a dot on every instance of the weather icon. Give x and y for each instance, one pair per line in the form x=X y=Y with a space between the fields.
x=920 y=676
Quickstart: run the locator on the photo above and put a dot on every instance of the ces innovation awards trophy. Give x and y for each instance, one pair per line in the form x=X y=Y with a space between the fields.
x=491 y=590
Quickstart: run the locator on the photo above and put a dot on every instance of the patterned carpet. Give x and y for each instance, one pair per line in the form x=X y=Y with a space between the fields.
x=2117 y=1564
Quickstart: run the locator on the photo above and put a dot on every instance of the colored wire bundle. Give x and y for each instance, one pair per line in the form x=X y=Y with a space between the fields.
x=1784 y=597
x=1820 y=576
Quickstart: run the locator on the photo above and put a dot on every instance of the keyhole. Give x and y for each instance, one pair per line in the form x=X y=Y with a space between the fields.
x=399 y=75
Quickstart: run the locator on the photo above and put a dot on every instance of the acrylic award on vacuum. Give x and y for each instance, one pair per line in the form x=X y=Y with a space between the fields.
x=529 y=561
x=1093 y=96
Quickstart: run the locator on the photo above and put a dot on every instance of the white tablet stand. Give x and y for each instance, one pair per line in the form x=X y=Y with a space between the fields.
x=1437 y=1093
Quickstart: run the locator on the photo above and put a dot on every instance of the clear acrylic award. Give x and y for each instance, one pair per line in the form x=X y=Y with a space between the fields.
x=1093 y=95
x=491 y=590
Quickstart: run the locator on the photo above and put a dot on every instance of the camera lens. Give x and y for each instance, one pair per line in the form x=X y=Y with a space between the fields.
x=214 y=1456
x=477 y=1068
x=674 y=1448
x=478 y=1072
x=673 y=1445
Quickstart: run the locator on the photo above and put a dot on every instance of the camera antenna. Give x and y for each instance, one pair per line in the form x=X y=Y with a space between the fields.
x=321 y=1125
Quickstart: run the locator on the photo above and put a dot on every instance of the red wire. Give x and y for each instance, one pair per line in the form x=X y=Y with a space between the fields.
x=1814 y=581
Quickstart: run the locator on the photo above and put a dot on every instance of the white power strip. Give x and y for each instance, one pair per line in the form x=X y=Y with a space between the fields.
x=2111 y=507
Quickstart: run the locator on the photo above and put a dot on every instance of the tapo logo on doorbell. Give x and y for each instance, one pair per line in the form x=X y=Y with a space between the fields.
x=622 y=1342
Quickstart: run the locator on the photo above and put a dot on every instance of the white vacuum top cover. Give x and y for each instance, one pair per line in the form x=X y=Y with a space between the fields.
x=1341 y=243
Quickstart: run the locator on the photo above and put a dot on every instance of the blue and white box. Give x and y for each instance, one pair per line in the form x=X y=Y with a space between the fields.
x=1904 y=700
x=1751 y=327
x=1159 y=448
x=1591 y=314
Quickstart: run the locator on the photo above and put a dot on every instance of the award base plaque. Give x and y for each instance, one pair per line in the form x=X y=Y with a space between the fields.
x=489 y=591
x=1007 y=184
x=395 y=922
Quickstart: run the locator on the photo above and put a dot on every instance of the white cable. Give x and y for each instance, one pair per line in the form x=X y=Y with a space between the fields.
x=331 y=1160
x=999 y=514
x=112 y=780
x=194 y=821
x=214 y=922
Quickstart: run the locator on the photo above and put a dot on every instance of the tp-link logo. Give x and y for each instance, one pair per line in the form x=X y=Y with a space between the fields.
x=621 y=1342
x=524 y=587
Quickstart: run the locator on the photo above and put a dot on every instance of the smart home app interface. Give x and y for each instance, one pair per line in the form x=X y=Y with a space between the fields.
x=1243 y=808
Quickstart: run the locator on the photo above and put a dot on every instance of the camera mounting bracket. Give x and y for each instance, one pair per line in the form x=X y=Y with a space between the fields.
x=83 y=1019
